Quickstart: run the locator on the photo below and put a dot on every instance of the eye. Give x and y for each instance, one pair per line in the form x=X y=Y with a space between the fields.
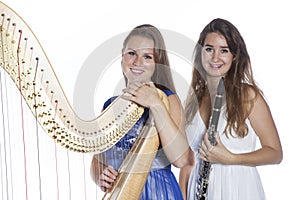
x=208 y=49
x=223 y=51
x=148 y=57
x=132 y=53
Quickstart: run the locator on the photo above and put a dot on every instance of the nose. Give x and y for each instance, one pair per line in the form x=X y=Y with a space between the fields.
x=215 y=55
x=137 y=61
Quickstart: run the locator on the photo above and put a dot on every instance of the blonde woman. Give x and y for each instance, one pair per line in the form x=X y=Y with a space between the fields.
x=145 y=66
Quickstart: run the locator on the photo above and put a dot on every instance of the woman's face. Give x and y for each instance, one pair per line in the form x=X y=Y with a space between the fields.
x=138 y=63
x=216 y=56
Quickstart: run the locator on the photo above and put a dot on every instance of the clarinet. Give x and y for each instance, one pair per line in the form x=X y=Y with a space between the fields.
x=205 y=167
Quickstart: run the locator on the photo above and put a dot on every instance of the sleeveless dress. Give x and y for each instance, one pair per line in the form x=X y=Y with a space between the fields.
x=161 y=183
x=226 y=182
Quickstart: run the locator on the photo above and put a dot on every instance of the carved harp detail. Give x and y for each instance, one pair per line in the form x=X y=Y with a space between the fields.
x=23 y=58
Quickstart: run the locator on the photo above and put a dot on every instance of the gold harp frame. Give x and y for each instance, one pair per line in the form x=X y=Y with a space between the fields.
x=24 y=60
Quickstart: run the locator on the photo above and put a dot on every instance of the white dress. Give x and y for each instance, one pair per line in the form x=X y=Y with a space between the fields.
x=226 y=182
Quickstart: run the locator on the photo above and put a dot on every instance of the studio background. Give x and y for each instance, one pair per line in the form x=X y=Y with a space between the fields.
x=70 y=31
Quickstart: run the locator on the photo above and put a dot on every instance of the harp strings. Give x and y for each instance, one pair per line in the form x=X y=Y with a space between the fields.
x=3 y=145
x=44 y=95
x=47 y=165
x=23 y=60
x=22 y=114
x=31 y=168
x=7 y=149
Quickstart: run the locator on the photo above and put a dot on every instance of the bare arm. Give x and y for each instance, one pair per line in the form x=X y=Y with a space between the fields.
x=169 y=123
x=264 y=126
x=184 y=176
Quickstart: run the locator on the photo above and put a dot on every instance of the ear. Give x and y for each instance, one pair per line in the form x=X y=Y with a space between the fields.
x=122 y=52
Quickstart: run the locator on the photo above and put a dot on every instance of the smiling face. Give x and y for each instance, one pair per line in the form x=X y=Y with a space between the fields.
x=216 y=55
x=138 y=63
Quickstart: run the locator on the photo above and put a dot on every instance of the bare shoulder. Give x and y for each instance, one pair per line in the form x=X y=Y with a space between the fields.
x=255 y=96
x=174 y=101
x=252 y=92
x=259 y=106
x=175 y=108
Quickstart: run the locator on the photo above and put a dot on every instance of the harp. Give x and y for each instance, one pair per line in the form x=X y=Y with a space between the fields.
x=23 y=59
x=136 y=166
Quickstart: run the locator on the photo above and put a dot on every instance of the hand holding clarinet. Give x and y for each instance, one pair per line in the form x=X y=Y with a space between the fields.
x=212 y=149
x=210 y=141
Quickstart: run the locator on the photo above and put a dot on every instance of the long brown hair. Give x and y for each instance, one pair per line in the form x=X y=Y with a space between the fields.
x=238 y=81
x=162 y=77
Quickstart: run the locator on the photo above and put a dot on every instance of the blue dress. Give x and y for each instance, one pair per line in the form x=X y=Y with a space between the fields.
x=161 y=183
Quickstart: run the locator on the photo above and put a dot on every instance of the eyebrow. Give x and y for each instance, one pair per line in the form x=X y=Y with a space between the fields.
x=135 y=50
x=213 y=46
x=129 y=48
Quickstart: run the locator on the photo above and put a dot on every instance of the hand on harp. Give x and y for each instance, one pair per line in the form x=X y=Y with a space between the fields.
x=144 y=94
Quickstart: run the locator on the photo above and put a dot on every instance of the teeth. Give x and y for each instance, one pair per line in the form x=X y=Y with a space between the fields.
x=216 y=66
x=136 y=71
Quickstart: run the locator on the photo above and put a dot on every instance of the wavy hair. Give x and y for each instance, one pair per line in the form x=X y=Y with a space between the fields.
x=238 y=81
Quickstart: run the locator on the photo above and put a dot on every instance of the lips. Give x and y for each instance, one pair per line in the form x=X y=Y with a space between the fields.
x=136 y=71
x=216 y=66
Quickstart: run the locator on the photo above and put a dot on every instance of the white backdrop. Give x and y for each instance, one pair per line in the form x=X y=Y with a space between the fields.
x=70 y=31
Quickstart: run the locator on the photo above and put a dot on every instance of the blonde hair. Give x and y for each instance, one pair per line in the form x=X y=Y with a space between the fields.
x=162 y=76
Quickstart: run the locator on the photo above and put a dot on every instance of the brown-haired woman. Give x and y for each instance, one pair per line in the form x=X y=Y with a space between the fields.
x=245 y=115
